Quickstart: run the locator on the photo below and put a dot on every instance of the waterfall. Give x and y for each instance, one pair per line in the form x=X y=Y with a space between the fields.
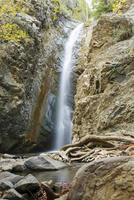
x=90 y=4
x=64 y=122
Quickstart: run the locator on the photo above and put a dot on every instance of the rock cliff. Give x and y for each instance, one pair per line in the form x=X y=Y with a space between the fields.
x=104 y=98
x=28 y=77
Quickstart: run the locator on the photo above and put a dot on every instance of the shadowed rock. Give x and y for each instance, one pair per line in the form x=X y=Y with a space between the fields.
x=12 y=194
x=28 y=183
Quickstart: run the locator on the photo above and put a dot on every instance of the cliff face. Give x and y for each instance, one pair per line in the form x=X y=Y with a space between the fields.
x=104 y=100
x=28 y=78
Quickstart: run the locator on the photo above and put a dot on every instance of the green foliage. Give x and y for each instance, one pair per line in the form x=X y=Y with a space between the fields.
x=101 y=7
x=118 y=6
x=56 y=9
x=12 y=32
x=104 y=6
x=78 y=12
x=8 y=30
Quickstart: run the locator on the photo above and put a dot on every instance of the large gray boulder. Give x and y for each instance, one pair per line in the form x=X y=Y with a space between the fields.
x=44 y=163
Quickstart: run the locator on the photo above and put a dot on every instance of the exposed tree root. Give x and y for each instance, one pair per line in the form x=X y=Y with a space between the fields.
x=100 y=139
x=94 y=146
x=82 y=157
x=71 y=149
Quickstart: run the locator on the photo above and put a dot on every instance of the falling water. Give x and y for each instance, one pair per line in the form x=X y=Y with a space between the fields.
x=64 y=123
x=90 y=4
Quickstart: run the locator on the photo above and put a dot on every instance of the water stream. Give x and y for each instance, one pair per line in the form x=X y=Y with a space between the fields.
x=64 y=119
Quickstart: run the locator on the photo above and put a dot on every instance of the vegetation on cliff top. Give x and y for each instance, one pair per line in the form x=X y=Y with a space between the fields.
x=9 y=31
x=76 y=9
x=103 y=6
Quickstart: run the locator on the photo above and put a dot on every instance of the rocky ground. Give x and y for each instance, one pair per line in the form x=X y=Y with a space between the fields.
x=27 y=187
x=105 y=179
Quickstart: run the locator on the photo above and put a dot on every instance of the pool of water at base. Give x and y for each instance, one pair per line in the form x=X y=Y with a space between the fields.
x=64 y=175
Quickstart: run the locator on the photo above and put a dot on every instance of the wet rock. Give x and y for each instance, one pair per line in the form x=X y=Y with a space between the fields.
x=12 y=194
x=8 y=156
x=28 y=183
x=7 y=176
x=44 y=163
x=19 y=168
x=106 y=179
x=5 y=185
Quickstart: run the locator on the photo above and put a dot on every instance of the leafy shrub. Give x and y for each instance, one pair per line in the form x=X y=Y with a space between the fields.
x=9 y=31
x=101 y=7
x=56 y=9
x=104 y=6
x=12 y=32
x=118 y=6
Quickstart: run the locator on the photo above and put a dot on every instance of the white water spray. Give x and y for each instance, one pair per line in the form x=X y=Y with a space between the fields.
x=64 y=123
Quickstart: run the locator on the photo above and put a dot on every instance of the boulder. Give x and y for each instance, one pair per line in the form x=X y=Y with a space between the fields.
x=44 y=163
x=10 y=177
x=5 y=185
x=28 y=183
x=106 y=179
x=19 y=168
x=12 y=194
x=12 y=164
